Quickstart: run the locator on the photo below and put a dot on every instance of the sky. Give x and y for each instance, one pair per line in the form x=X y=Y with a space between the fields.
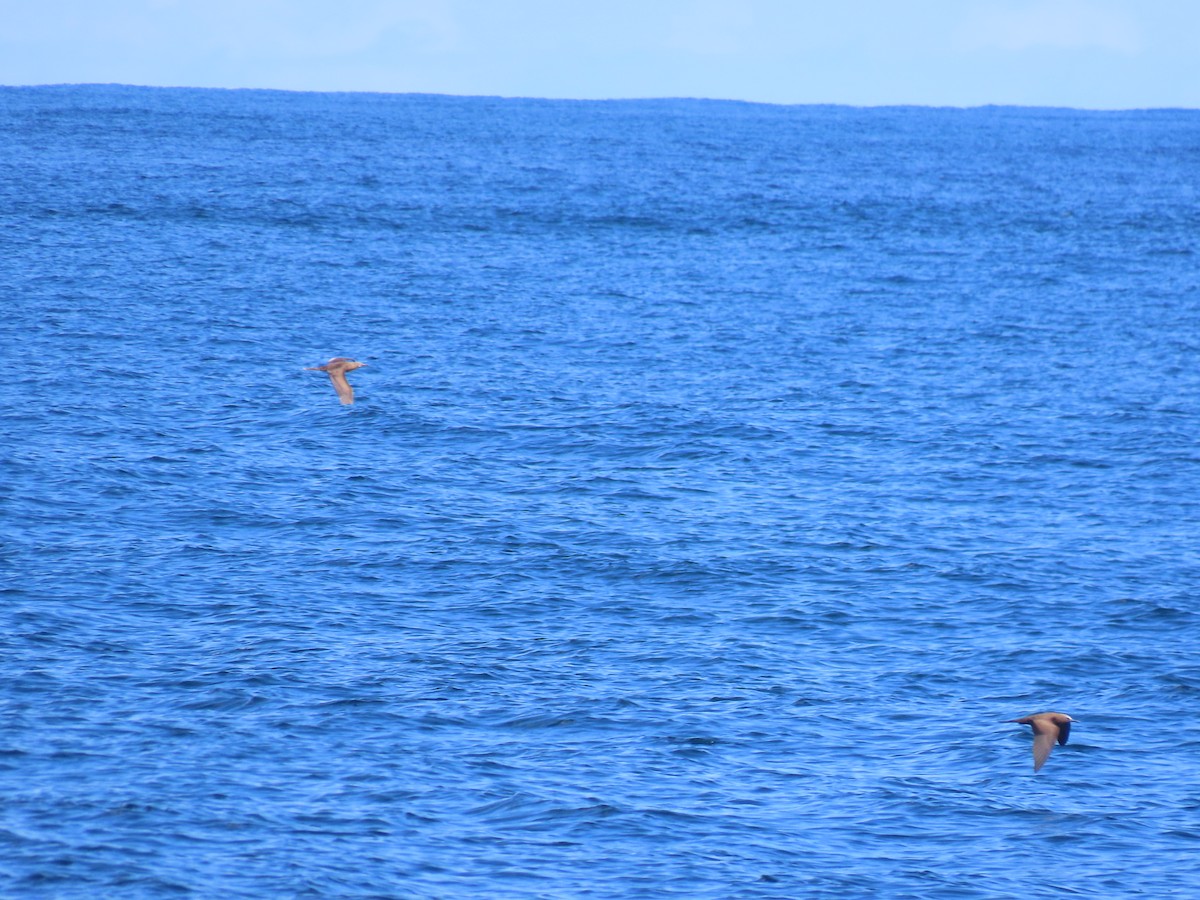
x=1090 y=54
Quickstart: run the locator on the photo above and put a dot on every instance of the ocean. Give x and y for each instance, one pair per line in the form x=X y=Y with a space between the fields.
x=722 y=479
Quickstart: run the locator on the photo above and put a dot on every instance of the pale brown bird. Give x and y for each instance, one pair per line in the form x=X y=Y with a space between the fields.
x=1048 y=727
x=337 y=369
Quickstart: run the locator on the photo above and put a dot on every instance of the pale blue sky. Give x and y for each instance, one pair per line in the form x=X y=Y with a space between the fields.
x=1099 y=54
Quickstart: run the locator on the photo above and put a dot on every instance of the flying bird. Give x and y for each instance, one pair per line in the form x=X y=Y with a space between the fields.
x=337 y=368
x=1048 y=727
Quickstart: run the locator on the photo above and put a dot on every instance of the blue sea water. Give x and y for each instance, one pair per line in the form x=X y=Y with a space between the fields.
x=722 y=478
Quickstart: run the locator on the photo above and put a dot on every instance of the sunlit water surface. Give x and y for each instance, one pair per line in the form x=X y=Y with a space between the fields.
x=721 y=480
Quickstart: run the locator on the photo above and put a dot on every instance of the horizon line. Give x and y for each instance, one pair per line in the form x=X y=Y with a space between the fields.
x=615 y=99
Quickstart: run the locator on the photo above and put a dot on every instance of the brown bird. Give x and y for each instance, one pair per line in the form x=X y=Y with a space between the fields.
x=1048 y=727
x=337 y=369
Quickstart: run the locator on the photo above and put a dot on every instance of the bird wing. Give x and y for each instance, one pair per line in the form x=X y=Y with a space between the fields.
x=1064 y=730
x=1043 y=742
x=342 y=386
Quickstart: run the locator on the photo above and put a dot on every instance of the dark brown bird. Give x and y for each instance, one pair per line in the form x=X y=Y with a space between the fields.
x=1048 y=727
x=337 y=369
